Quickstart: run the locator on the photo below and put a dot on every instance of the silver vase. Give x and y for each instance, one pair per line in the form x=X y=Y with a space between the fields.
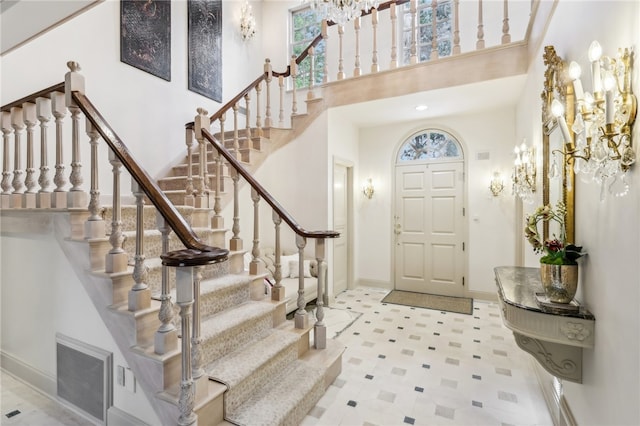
x=560 y=282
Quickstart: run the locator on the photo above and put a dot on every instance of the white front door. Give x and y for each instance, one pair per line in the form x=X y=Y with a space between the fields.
x=428 y=228
x=340 y=224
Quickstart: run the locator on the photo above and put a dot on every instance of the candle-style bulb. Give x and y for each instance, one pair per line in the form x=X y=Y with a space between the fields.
x=556 y=108
x=574 y=70
x=595 y=51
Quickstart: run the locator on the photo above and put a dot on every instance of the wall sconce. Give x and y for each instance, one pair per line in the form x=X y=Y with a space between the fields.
x=368 y=190
x=603 y=150
x=497 y=184
x=247 y=22
x=524 y=172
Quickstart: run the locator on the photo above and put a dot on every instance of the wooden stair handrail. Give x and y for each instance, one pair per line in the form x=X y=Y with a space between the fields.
x=148 y=185
x=265 y=194
x=32 y=98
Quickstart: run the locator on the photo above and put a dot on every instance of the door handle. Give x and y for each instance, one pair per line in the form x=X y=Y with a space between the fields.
x=398 y=229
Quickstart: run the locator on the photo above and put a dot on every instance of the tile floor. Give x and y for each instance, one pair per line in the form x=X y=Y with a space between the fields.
x=402 y=366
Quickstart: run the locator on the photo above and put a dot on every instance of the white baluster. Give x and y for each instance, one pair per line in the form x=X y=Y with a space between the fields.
x=341 y=74
x=278 y=290
x=282 y=89
x=166 y=337
x=140 y=294
x=434 y=30
x=116 y=259
x=196 y=340
x=17 y=122
x=480 y=42
x=293 y=69
x=256 y=267
x=189 y=198
x=312 y=61
x=394 y=38
x=259 y=132
x=374 y=24
x=247 y=120
x=217 y=221
x=43 y=110
x=59 y=112
x=7 y=130
x=301 y=318
x=184 y=299
x=320 y=329
x=30 y=120
x=356 y=26
x=269 y=71
x=202 y=122
x=325 y=36
x=414 y=31
x=456 y=27
x=74 y=82
x=506 y=37
x=95 y=226
x=236 y=243
x=236 y=142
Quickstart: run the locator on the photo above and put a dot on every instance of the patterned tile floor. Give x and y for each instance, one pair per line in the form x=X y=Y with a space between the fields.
x=417 y=366
x=402 y=366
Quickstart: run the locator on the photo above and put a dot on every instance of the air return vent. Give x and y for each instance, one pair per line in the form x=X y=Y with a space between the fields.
x=84 y=376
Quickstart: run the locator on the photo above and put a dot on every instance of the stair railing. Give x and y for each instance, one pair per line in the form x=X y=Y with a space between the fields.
x=21 y=190
x=258 y=192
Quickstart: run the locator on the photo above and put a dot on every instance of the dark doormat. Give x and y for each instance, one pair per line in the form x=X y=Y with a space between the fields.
x=460 y=305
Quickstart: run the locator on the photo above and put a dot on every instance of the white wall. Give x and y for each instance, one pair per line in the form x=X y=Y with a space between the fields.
x=489 y=219
x=608 y=230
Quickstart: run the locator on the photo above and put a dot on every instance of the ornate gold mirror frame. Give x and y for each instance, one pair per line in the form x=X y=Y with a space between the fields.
x=556 y=86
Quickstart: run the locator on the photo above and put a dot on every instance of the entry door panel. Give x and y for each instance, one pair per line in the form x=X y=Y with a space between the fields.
x=428 y=228
x=340 y=224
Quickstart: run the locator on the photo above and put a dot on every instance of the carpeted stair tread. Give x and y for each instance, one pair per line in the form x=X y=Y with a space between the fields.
x=284 y=400
x=235 y=367
x=234 y=317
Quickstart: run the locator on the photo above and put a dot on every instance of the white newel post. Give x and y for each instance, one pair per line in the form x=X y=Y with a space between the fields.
x=166 y=337
x=94 y=226
x=74 y=82
x=301 y=316
x=116 y=259
x=196 y=340
x=277 y=292
x=7 y=130
x=184 y=299
x=17 y=122
x=59 y=108
x=140 y=293
x=30 y=121
x=43 y=110
x=320 y=329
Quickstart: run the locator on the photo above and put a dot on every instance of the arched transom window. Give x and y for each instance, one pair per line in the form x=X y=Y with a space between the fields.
x=430 y=145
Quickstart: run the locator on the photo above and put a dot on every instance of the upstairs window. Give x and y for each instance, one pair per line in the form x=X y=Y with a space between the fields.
x=430 y=145
x=305 y=26
x=444 y=33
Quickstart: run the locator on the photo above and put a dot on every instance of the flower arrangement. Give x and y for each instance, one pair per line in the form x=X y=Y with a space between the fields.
x=557 y=250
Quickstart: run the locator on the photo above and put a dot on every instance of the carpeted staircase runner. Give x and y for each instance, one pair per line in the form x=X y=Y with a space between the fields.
x=460 y=305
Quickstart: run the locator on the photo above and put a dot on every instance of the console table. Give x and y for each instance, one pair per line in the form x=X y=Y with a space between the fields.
x=554 y=337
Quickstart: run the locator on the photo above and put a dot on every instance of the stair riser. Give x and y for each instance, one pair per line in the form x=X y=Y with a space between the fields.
x=261 y=375
x=179 y=183
x=234 y=337
x=153 y=242
x=214 y=302
x=128 y=217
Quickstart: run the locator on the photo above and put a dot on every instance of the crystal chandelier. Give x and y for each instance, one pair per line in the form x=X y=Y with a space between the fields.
x=603 y=152
x=247 y=22
x=341 y=11
x=524 y=172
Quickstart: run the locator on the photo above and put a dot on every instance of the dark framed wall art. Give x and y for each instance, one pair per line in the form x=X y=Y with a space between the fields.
x=145 y=36
x=205 y=48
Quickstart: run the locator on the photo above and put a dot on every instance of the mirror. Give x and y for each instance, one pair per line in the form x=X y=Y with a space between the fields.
x=560 y=187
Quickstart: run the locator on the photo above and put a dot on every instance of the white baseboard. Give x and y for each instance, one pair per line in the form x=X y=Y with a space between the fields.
x=374 y=283
x=483 y=295
x=33 y=377
x=556 y=402
x=117 y=417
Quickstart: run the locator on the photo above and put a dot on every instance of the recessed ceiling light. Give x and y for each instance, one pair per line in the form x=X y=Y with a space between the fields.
x=421 y=107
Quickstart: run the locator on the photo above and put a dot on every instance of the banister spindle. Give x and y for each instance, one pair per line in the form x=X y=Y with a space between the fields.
x=301 y=318
x=394 y=38
x=184 y=299
x=506 y=37
x=293 y=66
x=312 y=61
x=434 y=30
x=277 y=292
x=259 y=132
x=236 y=242
x=7 y=130
x=341 y=74
x=374 y=57
x=166 y=337
x=480 y=42
x=202 y=121
x=217 y=221
x=269 y=76
x=414 y=31
x=282 y=90
x=94 y=227
x=325 y=37
x=320 y=329
x=247 y=100
x=356 y=27
x=74 y=82
x=17 y=122
x=456 y=27
x=43 y=111
x=189 y=198
x=30 y=120
x=236 y=142
x=140 y=294
x=196 y=339
x=116 y=259
x=255 y=265
x=59 y=112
